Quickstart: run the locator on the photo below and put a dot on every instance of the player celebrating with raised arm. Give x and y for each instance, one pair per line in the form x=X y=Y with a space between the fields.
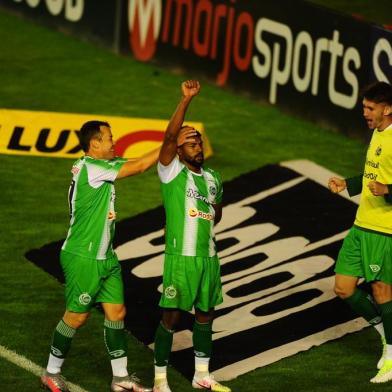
x=91 y=268
x=367 y=249
x=192 y=196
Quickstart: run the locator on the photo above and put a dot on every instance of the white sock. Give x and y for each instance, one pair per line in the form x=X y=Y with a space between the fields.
x=54 y=364
x=201 y=366
x=160 y=375
x=119 y=367
x=388 y=353
x=380 y=329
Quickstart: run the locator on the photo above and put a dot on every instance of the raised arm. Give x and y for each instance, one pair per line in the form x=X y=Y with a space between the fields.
x=168 y=151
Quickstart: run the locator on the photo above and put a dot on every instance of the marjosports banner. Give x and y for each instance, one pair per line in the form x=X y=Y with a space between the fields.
x=278 y=241
x=53 y=134
x=309 y=59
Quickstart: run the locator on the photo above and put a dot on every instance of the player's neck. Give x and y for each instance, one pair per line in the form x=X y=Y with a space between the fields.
x=192 y=168
x=386 y=125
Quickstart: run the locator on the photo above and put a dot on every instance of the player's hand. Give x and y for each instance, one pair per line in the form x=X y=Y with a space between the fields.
x=186 y=135
x=336 y=184
x=377 y=188
x=190 y=88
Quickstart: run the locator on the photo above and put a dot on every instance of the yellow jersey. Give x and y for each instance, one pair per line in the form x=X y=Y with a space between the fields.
x=374 y=212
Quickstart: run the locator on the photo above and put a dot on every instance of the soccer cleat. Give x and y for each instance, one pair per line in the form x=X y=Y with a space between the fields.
x=380 y=362
x=208 y=382
x=161 y=387
x=54 y=382
x=128 y=383
x=384 y=374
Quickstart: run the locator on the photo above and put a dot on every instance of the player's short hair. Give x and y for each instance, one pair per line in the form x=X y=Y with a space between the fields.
x=90 y=130
x=378 y=92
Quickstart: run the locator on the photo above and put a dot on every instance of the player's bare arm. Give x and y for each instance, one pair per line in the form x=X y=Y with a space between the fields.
x=336 y=184
x=377 y=188
x=138 y=165
x=218 y=213
x=190 y=88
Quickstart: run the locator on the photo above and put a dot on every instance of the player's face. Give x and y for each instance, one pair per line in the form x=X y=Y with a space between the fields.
x=192 y=153
x=106 y=143
x=375 y=114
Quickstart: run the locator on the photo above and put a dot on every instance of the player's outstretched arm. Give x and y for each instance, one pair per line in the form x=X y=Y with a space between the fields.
x=190 y=88
x=138 y=165
x=336 y=184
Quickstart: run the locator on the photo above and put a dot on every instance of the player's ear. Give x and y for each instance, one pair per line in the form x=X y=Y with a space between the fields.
x=388 y=110
x=94 y=143
x=179 y=152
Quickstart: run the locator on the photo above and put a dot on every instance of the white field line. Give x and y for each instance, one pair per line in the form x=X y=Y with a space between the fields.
x=26 y=364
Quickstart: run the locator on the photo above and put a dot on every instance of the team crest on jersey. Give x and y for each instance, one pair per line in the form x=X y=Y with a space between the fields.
x=378 y=150
x=84 y=299
x=212 y=190
x=170 y=292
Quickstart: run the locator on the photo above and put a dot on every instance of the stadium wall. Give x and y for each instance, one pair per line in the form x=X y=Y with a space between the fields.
x=307 y=59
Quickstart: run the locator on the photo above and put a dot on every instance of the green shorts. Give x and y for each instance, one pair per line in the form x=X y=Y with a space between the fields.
x=88 y=281
x=191 y=282
x=367 y=255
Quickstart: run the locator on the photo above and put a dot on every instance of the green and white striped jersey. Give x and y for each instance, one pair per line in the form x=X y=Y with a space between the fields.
x=91 y=203
x=188 y=199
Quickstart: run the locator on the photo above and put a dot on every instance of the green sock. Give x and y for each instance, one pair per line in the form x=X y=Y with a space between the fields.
x=163 y=345
x=62 y=339
x=202 y=339
x=386 y=313
x=363 y=304
x=115 y=339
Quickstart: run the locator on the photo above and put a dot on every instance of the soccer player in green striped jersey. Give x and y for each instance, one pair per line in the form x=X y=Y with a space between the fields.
x=192 y=197
x=91 y=268
x=367 y=250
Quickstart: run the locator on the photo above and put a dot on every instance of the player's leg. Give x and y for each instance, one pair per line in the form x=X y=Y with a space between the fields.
x=382 y=293
x=178 y=294
x=202 y=342
x=209 y=295
x=350 y=265
x=78 y=294
x=61 y=343
x=162 y=348
x=111 y=295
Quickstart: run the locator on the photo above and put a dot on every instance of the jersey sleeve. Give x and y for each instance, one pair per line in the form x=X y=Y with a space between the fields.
x=100 y=171
x=354 y=185
x=169 y=172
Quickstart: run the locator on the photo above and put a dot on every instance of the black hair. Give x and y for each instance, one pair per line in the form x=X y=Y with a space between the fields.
x=378 y=92
x=90 y=130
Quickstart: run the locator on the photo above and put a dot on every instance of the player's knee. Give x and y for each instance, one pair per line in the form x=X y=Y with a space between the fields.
x=170 y=319
x=343 y=292
x=382 y=292
x=118 y=314
x=75 y=320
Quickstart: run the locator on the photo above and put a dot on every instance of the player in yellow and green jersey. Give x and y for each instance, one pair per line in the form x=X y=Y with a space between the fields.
x=192 y=196
x=367 y=250
x=91 y=269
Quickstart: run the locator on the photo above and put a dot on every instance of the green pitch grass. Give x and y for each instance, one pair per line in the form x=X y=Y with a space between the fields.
x=45 y=70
